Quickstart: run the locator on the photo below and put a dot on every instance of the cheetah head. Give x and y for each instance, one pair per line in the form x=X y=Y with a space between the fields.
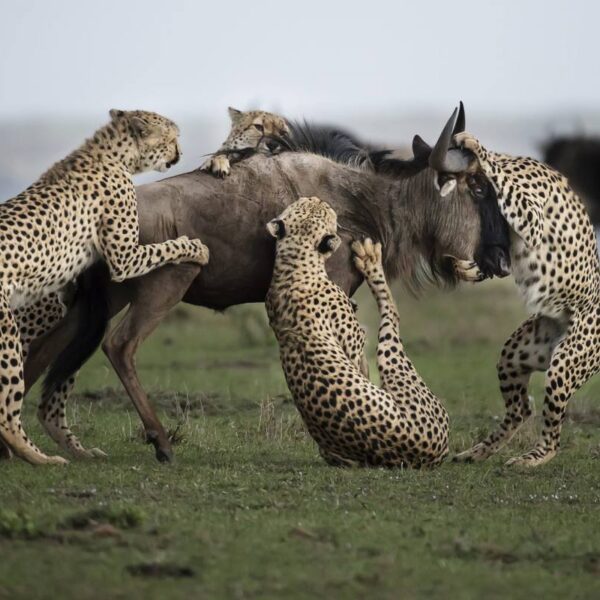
x=255 y=129
x=307 y=225
x=157 y=138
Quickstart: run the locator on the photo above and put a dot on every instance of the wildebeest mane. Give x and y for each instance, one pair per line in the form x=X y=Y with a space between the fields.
x=385 y=163
x=332 y=142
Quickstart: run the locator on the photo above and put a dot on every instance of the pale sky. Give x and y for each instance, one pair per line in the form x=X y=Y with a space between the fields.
x=80 y=58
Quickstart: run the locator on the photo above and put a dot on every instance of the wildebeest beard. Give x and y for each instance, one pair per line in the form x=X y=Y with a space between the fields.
x=493 y=249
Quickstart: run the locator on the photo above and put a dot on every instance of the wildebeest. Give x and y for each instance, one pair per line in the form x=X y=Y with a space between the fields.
x=578 y=158
x=398 y=206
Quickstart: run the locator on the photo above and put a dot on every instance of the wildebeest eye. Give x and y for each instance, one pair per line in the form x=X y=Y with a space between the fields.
x=478 y=188
x=259 y=127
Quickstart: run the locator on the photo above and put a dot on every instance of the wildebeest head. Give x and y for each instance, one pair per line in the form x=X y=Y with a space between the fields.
x=466 y=236
x=457 y=170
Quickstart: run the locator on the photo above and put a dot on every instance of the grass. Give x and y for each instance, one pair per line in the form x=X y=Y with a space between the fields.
x=248 y=510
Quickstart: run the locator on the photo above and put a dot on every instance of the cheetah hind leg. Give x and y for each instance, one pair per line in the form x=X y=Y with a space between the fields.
x=572 y=363
x=12 y=392
x=51 y=413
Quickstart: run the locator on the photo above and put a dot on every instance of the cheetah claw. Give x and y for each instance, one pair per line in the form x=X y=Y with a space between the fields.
x=478 y=453
x=467 y=141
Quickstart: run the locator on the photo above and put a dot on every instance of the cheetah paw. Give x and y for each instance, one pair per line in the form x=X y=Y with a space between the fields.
x=467 y=270
x=478 y=453
x=534 y=458
x=87 y=453
x=55 y=460
x=218 y=165
x=201 y=253
x=367 y=256
x=467 y=141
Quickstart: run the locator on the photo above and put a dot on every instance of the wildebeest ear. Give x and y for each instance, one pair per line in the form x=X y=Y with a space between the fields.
x=276 y=228
x=115 y=113
x=420 y=148
x=329 y=244
x=444 y=183
x=234 y=113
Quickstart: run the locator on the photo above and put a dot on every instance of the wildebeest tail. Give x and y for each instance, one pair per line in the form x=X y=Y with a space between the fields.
x=91 y=301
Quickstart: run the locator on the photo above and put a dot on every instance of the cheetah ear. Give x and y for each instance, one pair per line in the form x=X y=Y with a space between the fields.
x=329 y=244
x=276 y=228
x=234 y=113
x=140 y=127
x=115 y=113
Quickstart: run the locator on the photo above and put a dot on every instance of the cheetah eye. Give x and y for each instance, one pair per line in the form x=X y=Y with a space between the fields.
x=259 y=127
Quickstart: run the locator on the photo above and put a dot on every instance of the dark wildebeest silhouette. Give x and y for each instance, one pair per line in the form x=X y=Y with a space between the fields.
x=578 y=158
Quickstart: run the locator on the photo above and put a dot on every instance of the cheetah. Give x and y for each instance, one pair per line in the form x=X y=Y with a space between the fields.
x=321 y=345
x=81 y=210
x=251 y=131
x=556 y=269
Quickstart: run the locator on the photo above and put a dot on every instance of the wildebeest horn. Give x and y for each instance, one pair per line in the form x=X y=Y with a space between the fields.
x=443 y=158
x=459 y=126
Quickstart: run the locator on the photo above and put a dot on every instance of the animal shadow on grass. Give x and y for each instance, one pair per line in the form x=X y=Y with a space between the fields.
x=156 y=569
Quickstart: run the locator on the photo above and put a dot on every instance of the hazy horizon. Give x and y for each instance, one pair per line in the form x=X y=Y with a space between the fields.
x=184 y=58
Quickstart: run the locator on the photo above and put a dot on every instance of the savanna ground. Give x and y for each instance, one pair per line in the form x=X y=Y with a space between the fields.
x=249 y=510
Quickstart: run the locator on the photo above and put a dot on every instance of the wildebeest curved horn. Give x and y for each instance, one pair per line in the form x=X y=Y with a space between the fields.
x=441 y=158
x=460 y=124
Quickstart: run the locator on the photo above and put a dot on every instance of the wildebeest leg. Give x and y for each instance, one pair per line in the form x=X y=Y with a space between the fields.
x=528 y=349
x=155 y=295
x=5 y=451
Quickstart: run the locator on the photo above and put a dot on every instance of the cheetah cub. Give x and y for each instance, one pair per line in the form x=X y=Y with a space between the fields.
x=250 y=132
x=81 y=210
x=321 y=345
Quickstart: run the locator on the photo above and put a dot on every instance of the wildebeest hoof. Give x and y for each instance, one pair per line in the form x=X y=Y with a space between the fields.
x=164 y=455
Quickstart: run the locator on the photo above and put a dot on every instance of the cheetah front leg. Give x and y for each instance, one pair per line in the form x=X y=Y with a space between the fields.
x=528 y=349
x=368 y=261
x=12 y=388
x=367 y=258
x=118 y=241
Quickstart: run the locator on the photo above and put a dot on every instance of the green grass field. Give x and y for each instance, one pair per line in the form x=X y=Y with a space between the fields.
x=249 y=510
